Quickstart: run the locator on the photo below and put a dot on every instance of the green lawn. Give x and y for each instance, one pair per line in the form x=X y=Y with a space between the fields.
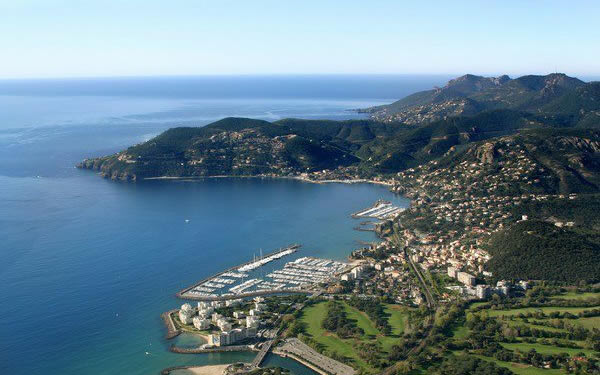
x=477 y=304
x=398 y=318
x=573 y=295
x=546 y=310
x=589 y=323
x=314 y=315
x=362 y=321
x=532 y=324
x=522 y=369
x=546 y=349
x=460 y=332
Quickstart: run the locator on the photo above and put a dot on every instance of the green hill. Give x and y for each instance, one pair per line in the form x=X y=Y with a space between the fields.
x=469 y=95
x=541 y=251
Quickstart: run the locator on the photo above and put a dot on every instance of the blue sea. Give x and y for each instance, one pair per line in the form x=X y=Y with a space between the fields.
x=88 y=264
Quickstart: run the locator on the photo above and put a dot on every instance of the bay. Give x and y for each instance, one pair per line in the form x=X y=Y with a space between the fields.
x=89 y=264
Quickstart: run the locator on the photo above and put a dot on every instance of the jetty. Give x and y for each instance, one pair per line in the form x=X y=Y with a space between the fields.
x=218 y=349
x=172 y=331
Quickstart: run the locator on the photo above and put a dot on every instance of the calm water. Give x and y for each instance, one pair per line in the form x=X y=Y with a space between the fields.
x=88 y=264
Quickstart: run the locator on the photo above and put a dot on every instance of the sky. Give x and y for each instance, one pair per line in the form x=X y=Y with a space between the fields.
x=81 y=38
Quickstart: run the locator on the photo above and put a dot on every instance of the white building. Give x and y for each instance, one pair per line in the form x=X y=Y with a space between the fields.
x=254 y=312
x=239 y=314
x=482 y=291
x=203 y=305
x=252 y=321
x=200 y=323
x=187 y=307
x=186 y=313
x=452 y=271
x=231 y=337
x=357 y=272
x=206 y=313
x=466 y=278
x=224 y=325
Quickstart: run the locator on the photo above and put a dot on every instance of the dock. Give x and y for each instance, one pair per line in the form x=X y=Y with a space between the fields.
x=382 y=210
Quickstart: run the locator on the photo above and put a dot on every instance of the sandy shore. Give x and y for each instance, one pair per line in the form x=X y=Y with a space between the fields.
x=207 y=370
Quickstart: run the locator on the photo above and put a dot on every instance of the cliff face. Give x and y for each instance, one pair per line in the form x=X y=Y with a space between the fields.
x=108 y=168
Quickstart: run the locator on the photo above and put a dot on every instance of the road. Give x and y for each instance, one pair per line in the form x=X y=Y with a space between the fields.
x=261 y=355
x=431 y=303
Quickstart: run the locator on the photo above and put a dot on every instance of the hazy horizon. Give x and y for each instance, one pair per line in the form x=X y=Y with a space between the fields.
x=60 y=39
x=583 y=77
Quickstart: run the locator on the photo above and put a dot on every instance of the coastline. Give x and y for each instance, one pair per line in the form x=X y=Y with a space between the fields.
x=181 y=293
x=303 y=179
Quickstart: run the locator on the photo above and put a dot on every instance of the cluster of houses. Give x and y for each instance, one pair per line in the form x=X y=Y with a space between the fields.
x=391 y=277
x=464 y=203
x=224 y=330
x=386 y=275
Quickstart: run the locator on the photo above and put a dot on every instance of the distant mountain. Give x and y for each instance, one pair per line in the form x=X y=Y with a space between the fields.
x=470 y=94
x=468 y=109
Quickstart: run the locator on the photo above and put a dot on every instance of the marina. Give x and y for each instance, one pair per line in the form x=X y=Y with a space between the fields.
x=249 y=279
x=382 y=210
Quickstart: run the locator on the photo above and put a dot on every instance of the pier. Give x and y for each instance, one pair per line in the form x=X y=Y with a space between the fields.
x=258 y=293
x=382 y=210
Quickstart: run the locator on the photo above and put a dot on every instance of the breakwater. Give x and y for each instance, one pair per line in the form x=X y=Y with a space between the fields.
x=258 y=293
x=172 y=331
x=219 y=349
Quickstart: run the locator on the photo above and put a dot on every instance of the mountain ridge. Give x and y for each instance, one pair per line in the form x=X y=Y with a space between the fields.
x=471 y=94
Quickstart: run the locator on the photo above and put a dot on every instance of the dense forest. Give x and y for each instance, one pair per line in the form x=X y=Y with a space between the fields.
x=541 y=251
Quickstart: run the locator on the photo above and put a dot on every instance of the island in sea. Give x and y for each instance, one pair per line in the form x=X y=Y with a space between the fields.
x=493 y=269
